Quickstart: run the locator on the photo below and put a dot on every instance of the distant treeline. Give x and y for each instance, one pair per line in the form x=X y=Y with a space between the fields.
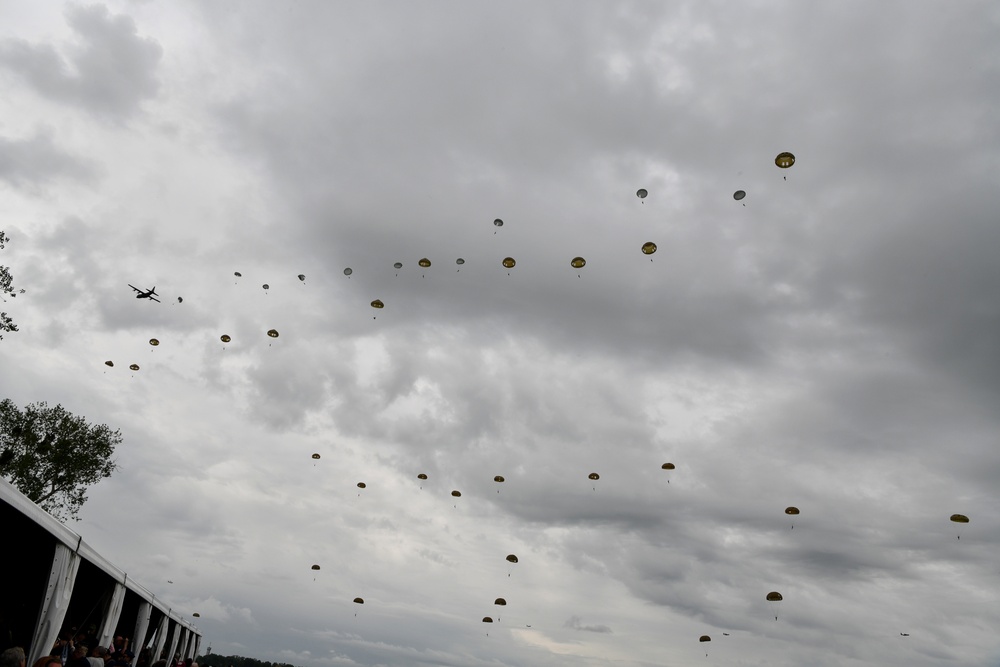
x=213 y=660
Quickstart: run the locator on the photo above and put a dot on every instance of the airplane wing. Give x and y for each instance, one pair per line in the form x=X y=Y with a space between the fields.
x=153 y=298
x=135 y=288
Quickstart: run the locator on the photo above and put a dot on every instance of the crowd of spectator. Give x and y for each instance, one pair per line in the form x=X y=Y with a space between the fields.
x=80 y=649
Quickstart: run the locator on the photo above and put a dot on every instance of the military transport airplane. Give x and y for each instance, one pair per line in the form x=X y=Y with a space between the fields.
x=148 y=294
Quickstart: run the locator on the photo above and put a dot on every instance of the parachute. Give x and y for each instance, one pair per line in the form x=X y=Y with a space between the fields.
x=424 y=262
x=784 y=160
x=648 y=248
x=109 y=363
x=739 y=194
x=422 y=476
x=397 y=265
x=359 y=601
x=498 y=222
x=361 y=485
x=668 y=466
x=237 y=274
x=791 y=510
x=500 y=601
x=273 y=333
x=498 y=478
x=641 y=193
x=457 y=494
x=348 y=271
x=460 y=261
x=154 y=342
x=302 y=277
x=511 y=558
x=509 y=262
x=593 y=475
x=704 y=638
x=377 y=303
x=180 y=299
x=316 y=456
x=315 y=567
x=266 y=286
x=225 y=338
x=134 y=367
x=578 y=262
x=487 y=619
x=196 y=615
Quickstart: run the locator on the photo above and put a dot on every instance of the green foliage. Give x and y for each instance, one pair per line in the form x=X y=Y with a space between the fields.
x=52 y=456
x=213 y=660
x=6 y=288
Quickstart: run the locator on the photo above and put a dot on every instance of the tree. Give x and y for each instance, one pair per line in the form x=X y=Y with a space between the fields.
x=52 y=456
x=6 y=323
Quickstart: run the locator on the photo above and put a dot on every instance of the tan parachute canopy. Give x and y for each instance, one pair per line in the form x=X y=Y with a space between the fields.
x=359 y=601
x=648 y=248
x=316 y=456
x=578 y=262
x=668 y=466
x=422 y=476
x=315 y=567
x=109 y=363
x=361 y=485
x=225 y=338
x=377 y=303
x=273 y=333
x=509 y=262
x=593 y=475
x=704 y=638
x=154 y=342
x=500 y=601
x=424 y=262
x=511 y=558
x=487 y=619
x=134 y=367
x=498 y=478
x=959 y=518
x=457 y=494
x=774 y=596
x=791 y=510
x=784 y=160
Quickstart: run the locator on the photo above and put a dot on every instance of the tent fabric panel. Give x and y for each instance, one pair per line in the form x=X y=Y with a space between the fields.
x=161 y=635
x=114 y=611
x=65 y=564
x=173 y=642
x=141 y=625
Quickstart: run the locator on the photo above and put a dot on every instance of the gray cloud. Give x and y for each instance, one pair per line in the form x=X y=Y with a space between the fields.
x=37 y=162
x=109 y=70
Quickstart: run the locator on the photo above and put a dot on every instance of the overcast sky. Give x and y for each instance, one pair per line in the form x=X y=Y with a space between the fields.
x=829 y=342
